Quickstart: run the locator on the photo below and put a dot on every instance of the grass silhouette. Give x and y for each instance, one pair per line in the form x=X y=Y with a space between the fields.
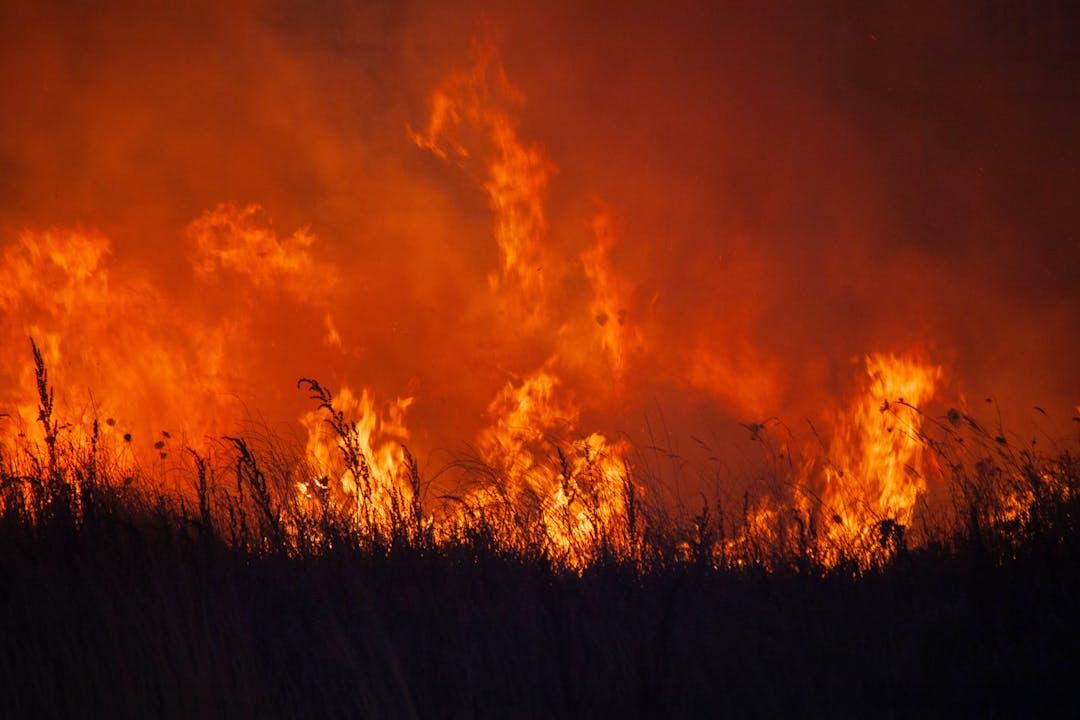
x=242 y=597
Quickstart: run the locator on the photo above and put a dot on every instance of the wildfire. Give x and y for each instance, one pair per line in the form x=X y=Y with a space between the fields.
x=60 y=290
x=516 y=174
x=550 y=329
x=873 y=472
x=242 y=241
x=618 y=336
x=576 y=503
x=578 y=497
x=360 y=451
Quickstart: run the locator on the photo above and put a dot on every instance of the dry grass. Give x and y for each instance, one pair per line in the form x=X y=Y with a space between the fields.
x=244 y=597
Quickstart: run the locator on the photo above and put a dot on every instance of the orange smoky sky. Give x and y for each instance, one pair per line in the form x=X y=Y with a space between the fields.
x=676 y=215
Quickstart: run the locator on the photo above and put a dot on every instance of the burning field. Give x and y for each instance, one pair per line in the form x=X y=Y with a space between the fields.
x=538 y=359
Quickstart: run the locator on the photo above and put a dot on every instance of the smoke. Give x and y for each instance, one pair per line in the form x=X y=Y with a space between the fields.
x=724 y=209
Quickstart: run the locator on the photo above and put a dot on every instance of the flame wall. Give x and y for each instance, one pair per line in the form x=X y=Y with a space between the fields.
x=652 y=220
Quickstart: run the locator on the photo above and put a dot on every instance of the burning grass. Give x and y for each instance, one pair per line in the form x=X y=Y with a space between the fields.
x=340 y=584
x=860 y=504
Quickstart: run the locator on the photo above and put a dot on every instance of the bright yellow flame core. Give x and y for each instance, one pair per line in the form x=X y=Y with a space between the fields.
x=874 y=470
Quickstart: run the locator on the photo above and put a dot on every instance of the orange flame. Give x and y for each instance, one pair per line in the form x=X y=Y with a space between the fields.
x=581 y=322
x=582 y=502
x=517 y=174
x=875 y=472
x=618 y=336
x=61 y=291
x=375 y=488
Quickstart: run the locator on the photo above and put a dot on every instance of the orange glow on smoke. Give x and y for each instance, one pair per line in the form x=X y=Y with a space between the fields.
x=500 y=252
x=516 y=174
x=146 y=355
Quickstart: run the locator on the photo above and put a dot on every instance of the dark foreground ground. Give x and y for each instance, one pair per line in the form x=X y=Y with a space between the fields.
x=129 y=616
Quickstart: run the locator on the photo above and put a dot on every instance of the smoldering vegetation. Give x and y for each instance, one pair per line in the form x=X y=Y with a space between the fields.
x=243 y=595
